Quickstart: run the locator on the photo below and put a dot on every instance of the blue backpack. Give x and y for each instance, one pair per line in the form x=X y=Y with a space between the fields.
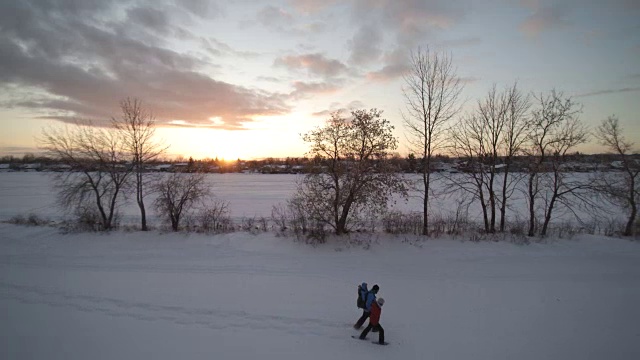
x=362 y=296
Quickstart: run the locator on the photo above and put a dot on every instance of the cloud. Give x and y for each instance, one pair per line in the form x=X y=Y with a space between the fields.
x=315 y=64
x=304 y=90
x=396 y=64
x=414 y=16
x=388 y=72
x=405 y=25
x=219 y=48
x=544 y=19
x=271 y=79
x=366 y=45
x=311 y=6
x=466 y=41
x=151 y=18
x=630 y=4
x=283 y=21
x=84 y=59
x=201 y=8
x=322 y=113
x=273 y=17
x=353 y=105
x=410 y=20
x=610 y=91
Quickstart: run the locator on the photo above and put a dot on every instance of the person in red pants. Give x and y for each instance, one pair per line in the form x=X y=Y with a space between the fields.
x=374 y=321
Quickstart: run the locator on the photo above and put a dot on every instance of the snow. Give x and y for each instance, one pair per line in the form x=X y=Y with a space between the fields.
x=251 y=195
x=154 y=295
x=248 y=195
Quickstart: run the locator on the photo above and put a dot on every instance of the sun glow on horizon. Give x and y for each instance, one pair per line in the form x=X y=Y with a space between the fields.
x=230 y=145
x=202 y=143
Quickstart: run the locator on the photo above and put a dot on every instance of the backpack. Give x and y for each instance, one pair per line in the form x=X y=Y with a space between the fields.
x=362 y=297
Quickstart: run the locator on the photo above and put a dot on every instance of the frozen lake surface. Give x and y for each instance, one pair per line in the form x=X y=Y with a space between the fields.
x=248 y=195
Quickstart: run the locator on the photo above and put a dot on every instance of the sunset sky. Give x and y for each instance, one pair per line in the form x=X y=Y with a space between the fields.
x=243 y=79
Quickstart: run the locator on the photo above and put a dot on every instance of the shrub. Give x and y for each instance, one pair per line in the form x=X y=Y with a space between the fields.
x=396 y=222
x=314 y=235
x=298 y=218
x=214 y=218
x=361 y=240
x=30 y=220
x=87 y=218
x=178 y=194
x=517 y=227
x=280 y=217
x=453 y=223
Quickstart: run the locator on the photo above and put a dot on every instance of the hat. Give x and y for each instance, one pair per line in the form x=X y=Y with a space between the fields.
x=375 y=288
x=380 y=301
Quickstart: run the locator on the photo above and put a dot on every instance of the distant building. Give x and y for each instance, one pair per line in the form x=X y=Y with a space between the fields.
x=161 y=167
x=32 y=167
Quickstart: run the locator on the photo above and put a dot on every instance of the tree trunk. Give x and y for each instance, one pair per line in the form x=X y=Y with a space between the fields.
x=532 y=213
x=628 y=230
x=112 y=205
x=341 y=225
x=485 y=216
x=336 y=216
x=175 y=221
x=143 y=216
x=140 y=199
x=425 y=223
x=106 y=224
x=503 y=205
x=479 y=179
x=547 y=217
x=492 y=203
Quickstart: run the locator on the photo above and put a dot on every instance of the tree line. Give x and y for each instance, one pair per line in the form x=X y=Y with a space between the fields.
x=510 y=141
x=543 y=129
x=108 y=166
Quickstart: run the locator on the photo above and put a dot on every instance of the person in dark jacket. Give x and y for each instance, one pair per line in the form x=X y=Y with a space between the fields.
x=374 y=321
x=370 y=299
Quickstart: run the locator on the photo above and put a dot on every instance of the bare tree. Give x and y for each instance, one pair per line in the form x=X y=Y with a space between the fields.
x=97 y=160
x=470 y=143
x=516 y=119
x=137 y=126
x=487 y=140
x=492 y=114
x=353 y=175
x=178 y=193
x=431 y=93
x=555 y=129
x=623 y=190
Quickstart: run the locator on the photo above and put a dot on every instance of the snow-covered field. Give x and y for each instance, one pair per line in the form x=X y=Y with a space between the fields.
x=250 y=195
x=133 y=295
